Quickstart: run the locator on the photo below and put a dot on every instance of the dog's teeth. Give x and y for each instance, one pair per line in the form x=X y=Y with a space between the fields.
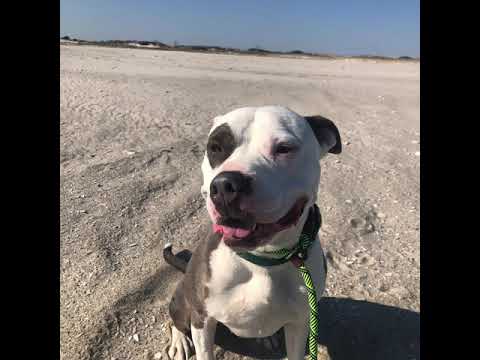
x=254 y=227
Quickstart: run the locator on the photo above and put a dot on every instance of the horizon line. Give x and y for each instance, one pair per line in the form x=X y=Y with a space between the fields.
x=250 y=49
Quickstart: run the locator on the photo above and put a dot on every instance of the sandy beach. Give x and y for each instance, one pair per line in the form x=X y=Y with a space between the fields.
x=134 y=124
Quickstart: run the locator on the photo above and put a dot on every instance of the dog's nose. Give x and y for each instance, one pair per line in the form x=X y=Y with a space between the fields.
x=227 y=187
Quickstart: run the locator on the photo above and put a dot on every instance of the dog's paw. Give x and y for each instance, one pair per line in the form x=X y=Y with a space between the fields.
x=180 y=347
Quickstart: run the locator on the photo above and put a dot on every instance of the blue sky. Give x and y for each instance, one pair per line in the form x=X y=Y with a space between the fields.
x=344 y=27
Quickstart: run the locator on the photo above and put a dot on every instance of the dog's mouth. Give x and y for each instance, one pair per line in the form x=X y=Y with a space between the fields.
x=247 y=234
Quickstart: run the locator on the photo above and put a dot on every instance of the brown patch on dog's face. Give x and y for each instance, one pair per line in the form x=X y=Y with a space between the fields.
x=221 y=144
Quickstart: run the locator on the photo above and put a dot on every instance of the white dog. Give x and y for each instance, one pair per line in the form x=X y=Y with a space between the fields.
x=261 y=176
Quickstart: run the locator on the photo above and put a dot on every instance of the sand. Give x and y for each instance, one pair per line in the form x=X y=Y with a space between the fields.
x=133 y=130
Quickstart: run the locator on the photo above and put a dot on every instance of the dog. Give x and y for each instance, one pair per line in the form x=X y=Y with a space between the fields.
x=261 y=174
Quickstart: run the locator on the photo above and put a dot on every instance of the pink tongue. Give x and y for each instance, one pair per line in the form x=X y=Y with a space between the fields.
x=231 y=232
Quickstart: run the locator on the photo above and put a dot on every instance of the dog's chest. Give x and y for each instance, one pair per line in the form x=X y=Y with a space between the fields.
x=250 y=300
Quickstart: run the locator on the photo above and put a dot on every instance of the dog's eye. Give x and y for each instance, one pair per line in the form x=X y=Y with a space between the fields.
x=284 y=149
x=215 y=148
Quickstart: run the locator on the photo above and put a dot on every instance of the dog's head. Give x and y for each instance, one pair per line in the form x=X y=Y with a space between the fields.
x=261 y=172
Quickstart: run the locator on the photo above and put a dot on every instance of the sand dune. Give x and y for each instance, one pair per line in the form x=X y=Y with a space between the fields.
x=133 y=130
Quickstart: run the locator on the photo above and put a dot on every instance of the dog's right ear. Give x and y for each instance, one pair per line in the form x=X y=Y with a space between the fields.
x=326 y=133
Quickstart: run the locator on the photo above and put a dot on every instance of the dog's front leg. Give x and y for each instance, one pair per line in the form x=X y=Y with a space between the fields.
x=296 y=335
x=203 y=339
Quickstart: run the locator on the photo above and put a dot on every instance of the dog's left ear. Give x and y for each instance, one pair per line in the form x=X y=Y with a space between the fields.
x=326 y=133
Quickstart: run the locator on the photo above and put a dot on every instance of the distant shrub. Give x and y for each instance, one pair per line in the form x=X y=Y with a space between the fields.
x=258 y=50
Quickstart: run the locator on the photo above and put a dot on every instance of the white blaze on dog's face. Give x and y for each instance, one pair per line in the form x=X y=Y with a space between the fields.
x=261 y=170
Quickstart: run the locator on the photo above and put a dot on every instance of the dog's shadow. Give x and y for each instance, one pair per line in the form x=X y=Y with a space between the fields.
x=350 y=330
